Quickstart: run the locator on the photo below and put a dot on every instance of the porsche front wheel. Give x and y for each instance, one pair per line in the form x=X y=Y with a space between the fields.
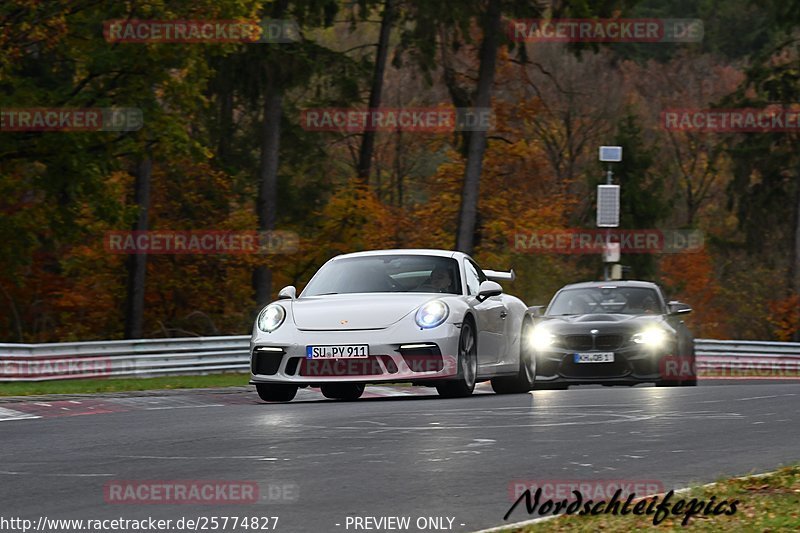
x=467 y=366
x=342 y=391
x=276 y=392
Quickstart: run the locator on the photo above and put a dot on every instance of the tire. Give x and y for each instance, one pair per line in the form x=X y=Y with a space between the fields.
x=276 y=392
x=343 y=391
x=526 y=375
x=677 y=382
x=690 y=382
x=693 y=381
x=467 y=363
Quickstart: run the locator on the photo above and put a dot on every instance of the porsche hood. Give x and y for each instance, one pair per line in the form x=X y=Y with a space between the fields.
x=338 y=312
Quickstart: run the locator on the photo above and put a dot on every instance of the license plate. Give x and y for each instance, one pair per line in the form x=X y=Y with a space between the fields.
x=338 y=351
x=597 y=357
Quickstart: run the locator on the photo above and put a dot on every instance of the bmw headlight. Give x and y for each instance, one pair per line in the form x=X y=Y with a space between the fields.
x=271 y=317
x=652 y=337
x=432 y=314
x=541 y=338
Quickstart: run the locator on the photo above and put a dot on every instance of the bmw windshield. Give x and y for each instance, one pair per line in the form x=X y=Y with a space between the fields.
x=614 y=300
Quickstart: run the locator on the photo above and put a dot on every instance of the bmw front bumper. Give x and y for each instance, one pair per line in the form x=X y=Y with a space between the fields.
x=632 y=364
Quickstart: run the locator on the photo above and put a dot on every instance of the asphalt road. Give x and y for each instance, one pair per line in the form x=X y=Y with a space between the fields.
x=316 y=461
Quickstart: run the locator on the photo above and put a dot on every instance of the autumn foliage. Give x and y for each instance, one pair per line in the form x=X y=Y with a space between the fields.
x=785 y=317
x=204 y=109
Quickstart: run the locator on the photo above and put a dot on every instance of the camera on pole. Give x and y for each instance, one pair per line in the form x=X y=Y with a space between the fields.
x=608 y=206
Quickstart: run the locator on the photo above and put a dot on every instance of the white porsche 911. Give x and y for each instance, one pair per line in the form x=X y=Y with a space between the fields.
x=428 y=317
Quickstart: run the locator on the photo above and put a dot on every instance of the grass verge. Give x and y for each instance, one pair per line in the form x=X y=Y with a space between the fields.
x=84 y=386
x=766 y=503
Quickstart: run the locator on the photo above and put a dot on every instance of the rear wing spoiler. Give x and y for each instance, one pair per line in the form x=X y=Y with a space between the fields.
x=496 y=275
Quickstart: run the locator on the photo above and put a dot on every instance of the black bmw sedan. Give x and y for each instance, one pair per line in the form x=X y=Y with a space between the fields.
x=612 y=333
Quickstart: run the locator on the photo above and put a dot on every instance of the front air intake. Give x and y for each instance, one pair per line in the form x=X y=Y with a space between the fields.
x=266 y=360
x=425 y=357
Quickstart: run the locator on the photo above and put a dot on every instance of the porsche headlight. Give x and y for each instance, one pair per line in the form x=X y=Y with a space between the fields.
x=432 y=314
x=652 y=337
x=271 y=317
x=541 y=338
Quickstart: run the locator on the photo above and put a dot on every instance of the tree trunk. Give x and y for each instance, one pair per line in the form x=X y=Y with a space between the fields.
x=368 y=140
x=137 y=262
x=225 y=120
x=267 y=204
x=468 y=212
x=267 y=201
x=459 y=95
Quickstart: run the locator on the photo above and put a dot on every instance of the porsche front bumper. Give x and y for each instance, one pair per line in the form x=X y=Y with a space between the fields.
x=397 y=354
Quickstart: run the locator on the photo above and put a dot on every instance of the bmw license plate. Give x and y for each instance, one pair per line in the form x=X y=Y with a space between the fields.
x=338 y=351
x=596 y=357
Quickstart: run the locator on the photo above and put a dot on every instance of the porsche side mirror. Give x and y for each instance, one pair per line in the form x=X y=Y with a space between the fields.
x=488 y=289
x=678 y=308
x=287 y=293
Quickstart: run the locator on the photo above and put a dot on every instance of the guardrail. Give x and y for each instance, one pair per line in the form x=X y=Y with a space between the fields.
x=750 y=358
x=207 y=355
x=128 y=358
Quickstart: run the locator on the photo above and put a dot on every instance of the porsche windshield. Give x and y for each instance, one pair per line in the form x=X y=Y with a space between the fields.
x=618 y=300
x=387 y=273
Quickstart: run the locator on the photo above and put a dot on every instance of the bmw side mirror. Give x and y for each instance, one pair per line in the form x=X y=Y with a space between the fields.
x=287 y=293
x=678 y=308
x=488 y=289
x=537 y=311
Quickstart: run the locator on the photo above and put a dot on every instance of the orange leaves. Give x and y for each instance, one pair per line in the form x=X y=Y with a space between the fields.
x=689 y=277
x=785 y=317
x=354 y=219
x=433 y=222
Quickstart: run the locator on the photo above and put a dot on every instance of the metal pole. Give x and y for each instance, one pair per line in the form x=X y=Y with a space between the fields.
x=609 y=181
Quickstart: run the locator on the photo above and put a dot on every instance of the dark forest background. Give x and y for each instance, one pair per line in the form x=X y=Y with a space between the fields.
x=222 y=148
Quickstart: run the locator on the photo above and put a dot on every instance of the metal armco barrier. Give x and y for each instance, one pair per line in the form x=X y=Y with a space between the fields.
x=128 y=358
x=211 y=355
x=753 y=358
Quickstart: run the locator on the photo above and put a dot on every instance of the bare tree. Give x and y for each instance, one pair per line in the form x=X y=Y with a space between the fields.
x=468 y=212
x=368 y=140
x=137 y=262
